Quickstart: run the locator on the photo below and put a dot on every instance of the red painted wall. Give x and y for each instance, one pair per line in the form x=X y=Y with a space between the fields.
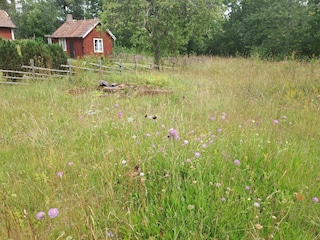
x=5 y=33
x=77 y=47
x=88 y=43
x=85 y=46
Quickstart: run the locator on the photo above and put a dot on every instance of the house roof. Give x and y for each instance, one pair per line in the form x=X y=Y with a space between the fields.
x=5 y=20
x=75 y=28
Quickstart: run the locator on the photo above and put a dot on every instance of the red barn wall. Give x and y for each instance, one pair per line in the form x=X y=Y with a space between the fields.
x=5 y=33
x=85 y=46
x=88 y=43
x=77 y=43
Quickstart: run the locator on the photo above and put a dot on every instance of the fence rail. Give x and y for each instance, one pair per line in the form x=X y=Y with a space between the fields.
x=32 y=72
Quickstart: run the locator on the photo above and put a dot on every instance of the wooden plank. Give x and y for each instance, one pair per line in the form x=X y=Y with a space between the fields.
x=97 y=65
x=13 y=83
x=11 y=71
x=45 y=69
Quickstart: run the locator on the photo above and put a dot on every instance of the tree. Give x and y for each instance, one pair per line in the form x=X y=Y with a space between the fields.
x=92 y=8
x=162 y=27
x=74 y=7
x=266 y=27
x=311 y=43
x=80 y=9
x=37 y=19
x=4 y=5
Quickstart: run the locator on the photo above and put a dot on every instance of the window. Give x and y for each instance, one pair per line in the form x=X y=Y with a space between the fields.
x=98 y=45
x=63 y=43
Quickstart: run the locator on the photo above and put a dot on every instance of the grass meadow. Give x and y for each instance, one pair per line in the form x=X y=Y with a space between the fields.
x=232 y=153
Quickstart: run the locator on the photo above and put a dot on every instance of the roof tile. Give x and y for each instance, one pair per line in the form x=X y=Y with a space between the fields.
x=5 y=20
x=75 y=28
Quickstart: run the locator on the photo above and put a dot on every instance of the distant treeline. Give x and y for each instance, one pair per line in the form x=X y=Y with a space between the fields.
x=264 y=28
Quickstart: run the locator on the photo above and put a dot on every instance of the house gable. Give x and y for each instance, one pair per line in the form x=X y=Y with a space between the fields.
x=6 y=26
x=79 y=36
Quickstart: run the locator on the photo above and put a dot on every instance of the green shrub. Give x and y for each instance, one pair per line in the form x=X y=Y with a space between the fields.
x=10 y=58
x=44 y=55
x=31 y=49
x=58 y=56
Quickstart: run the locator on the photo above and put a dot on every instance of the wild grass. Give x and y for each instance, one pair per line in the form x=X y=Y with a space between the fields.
x=242 y=163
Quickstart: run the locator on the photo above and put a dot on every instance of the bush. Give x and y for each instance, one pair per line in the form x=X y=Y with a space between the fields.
x=10 y=58
x=31 y=49
x=14 y=54
x=58 y=56
x=44 y=55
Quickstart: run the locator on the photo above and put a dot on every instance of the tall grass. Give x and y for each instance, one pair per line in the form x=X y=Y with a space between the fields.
x=242 y=162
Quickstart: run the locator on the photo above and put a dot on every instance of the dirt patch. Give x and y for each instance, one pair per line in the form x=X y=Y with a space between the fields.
x=122 y=89
x=144 y=90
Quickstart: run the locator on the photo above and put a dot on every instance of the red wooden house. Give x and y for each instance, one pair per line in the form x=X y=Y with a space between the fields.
x=6 y=26
x=83 y=37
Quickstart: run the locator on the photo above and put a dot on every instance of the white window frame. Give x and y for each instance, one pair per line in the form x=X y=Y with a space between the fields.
x=98 y=45
x=63 y=43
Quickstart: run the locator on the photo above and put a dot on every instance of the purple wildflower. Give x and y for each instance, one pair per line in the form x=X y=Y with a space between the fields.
x=237 y=162
x=173 y=133
x=60 y=174
x=275 y=121
x=315 y=199
x=110 y=235
x=197 y=154
x=256 y=204
x=247 y=188
x=223 y=199
x=119 y=114
x=70 y=163
x=53 y=212
x=40 y=215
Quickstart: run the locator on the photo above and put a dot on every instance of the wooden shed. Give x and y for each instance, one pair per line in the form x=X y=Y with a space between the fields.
x=6 y=26
x=83 y=37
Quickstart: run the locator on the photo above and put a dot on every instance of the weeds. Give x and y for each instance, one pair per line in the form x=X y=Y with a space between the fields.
x=232 y=153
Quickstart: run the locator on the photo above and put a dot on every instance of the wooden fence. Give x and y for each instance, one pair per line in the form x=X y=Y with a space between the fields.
x=32 y=72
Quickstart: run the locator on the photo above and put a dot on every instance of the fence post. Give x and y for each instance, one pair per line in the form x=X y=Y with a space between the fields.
x=32 y=68
x=135 y=62
x=100 y=73
x=120 y=65
x=70 y=67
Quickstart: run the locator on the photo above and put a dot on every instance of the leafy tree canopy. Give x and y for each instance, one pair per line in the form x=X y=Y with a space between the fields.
x=163 y=27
